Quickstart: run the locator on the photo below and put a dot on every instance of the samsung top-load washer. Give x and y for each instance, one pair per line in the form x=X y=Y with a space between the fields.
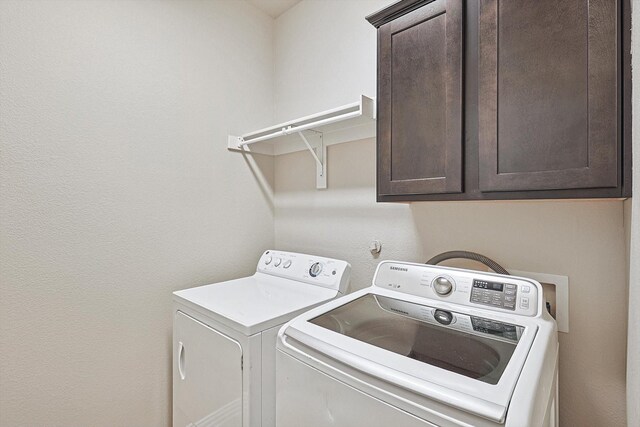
x=224 y=337
x=422 y=346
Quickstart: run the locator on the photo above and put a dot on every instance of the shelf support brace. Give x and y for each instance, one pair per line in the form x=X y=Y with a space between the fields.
x=311 y=150
x=319 y=155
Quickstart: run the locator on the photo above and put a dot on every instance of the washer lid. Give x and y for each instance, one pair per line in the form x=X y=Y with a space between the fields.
x=472 y=346
x=468 y=359
x=253 y=304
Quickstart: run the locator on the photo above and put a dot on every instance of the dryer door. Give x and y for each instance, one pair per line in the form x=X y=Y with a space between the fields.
x=207 y=376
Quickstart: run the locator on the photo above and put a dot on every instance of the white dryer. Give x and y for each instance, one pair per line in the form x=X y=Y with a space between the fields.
x=423 y=346
x=224 y=337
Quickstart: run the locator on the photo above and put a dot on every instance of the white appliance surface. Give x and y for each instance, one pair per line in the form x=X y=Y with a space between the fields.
x=225 y=337
x=446 y=346
x=252 y=304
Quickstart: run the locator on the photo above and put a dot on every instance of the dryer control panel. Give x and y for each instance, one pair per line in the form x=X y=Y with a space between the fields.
x=326 y=272
x=491 y=291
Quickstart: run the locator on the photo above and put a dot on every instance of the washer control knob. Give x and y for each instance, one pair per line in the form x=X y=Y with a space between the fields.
x=443 y=317
x=287 y=264
x=277 y=262
x=267 y=260
x=443 y=285
x=315 y=269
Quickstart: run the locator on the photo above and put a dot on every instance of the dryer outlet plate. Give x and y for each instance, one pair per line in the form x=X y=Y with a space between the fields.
x=556 y=291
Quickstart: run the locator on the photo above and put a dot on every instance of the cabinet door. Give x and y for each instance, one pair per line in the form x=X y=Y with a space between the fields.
x=207 y=376
x=548 y=115
x=420 y=101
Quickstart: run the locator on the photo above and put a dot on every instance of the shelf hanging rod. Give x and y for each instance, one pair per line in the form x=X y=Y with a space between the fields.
x=297 y=129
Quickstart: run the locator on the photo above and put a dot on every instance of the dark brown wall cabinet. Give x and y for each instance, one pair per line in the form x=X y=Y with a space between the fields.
x=512 y=99
x=420 y=101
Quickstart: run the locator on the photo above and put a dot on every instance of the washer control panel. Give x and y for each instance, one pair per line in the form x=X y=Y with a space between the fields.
x=326 y=272
x=517 y=295
x=495 y=294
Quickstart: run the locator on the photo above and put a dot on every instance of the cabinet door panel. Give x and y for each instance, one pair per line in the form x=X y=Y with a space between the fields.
x=420 y=101
x=547 y=95
x=207 y=375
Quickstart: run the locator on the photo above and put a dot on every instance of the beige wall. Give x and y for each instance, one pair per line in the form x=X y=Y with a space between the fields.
x=633 y=350
x=319 y=57
x=584 y=240
x=116 y=188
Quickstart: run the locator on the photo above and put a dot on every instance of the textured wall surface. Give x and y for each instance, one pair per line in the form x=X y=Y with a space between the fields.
x=584 y=240
x=320 y=60
x=633 y=349
x=116 y=188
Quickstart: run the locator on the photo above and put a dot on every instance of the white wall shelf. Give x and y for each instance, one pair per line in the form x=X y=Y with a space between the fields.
x=315 y=132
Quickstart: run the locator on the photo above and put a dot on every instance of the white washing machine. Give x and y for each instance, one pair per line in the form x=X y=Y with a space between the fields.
x=224 y=337
x=422 y=346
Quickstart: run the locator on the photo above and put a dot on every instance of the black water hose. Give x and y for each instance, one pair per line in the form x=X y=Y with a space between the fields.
x=468 y=255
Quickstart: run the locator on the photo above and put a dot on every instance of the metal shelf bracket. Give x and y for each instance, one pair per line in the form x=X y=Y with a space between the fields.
x=319 y=153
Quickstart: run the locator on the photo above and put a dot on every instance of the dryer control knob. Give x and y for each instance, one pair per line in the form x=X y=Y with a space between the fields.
x=316 y=269
x=277 y=262
x=443 y=285
x=267 y=260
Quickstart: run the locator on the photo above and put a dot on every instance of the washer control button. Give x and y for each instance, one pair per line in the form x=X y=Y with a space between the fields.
x=526 y=289
x=315 y=269
x=443 y=317
x=524 y=302
x=267 y=260
x=287 y=264
x=443 y=285
x=277 y=262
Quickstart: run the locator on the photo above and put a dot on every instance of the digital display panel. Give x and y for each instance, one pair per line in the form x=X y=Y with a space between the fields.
x=492 y=286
